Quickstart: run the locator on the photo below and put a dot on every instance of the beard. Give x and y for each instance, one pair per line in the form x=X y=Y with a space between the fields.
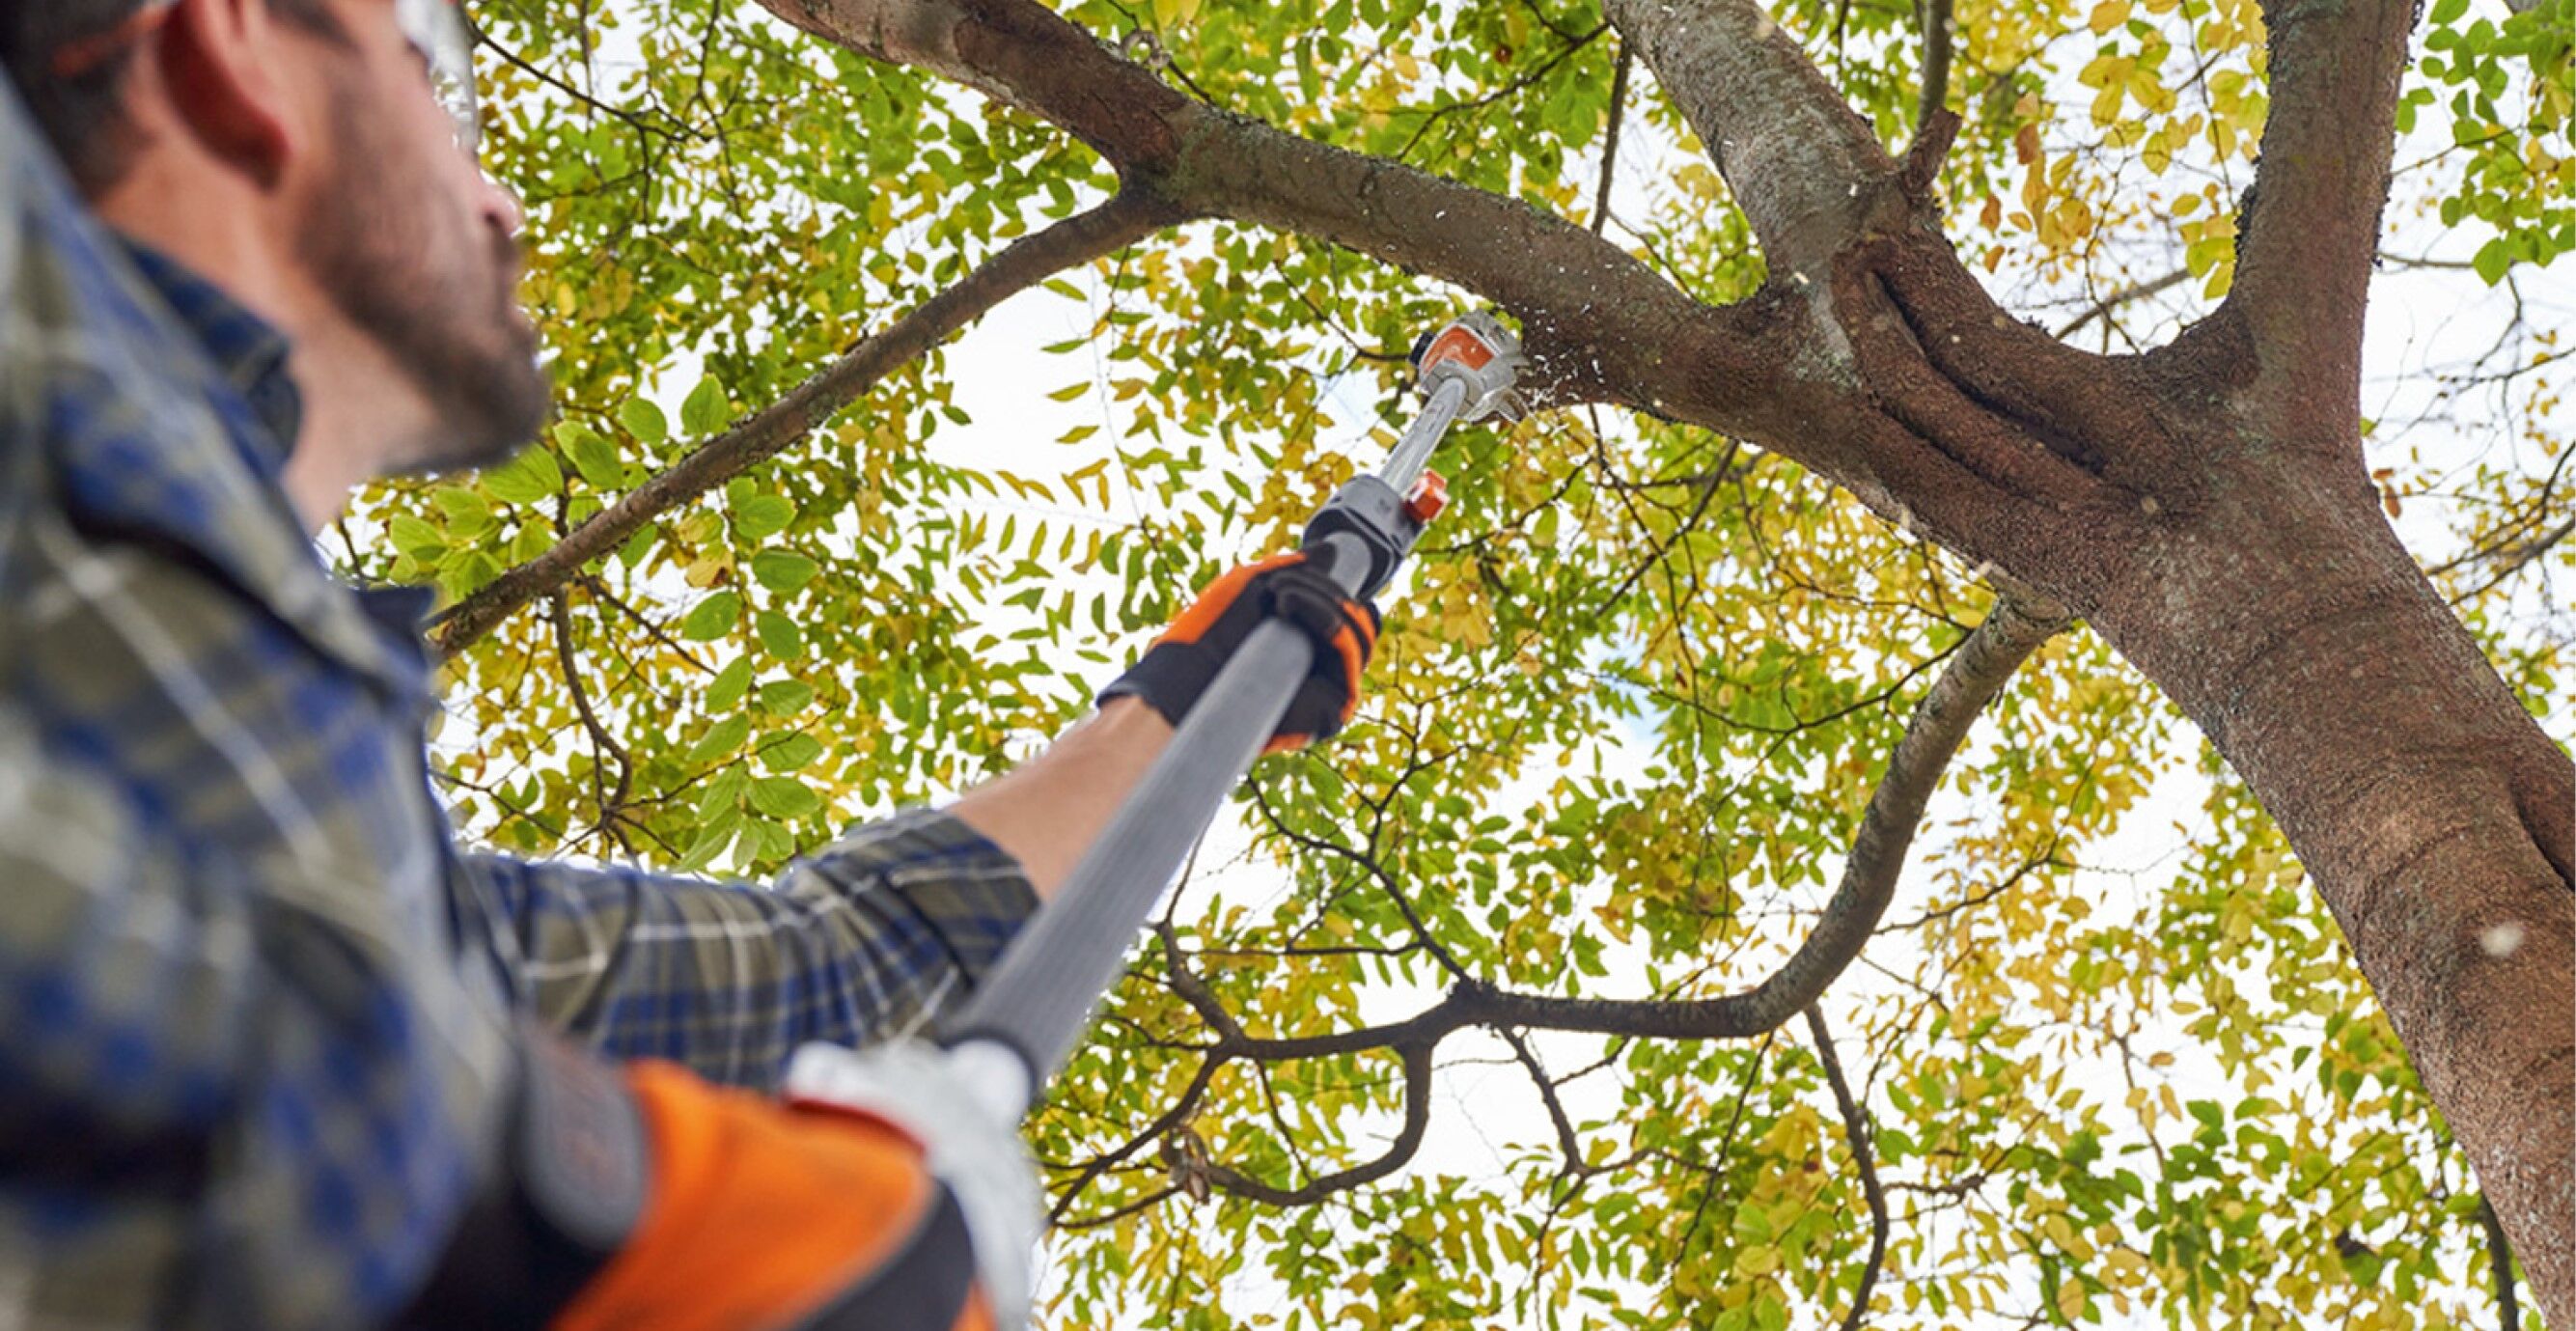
x=433 y=285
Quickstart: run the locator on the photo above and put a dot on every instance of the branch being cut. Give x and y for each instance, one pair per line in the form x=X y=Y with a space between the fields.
x=1598 y=323
x=1417 y=1119
x=2019 y=624
x=1079 y=239
x=2303 y=266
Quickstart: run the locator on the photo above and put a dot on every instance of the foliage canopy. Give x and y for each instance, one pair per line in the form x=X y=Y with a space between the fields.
x=1629 y=706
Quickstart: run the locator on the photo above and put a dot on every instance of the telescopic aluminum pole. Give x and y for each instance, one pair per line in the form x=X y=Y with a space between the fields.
x=1029 y=1012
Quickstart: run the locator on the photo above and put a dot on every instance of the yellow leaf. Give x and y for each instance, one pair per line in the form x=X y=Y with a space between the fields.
x=2070 y=1300
x=2108 y=15
x=2106 y=103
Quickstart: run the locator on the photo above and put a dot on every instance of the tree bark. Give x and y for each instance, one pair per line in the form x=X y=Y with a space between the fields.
x=2433 y=814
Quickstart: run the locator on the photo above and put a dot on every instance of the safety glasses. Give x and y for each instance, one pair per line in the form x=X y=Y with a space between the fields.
x=435 y=29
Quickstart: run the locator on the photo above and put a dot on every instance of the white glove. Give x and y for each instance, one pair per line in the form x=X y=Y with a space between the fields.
x=962 y=1108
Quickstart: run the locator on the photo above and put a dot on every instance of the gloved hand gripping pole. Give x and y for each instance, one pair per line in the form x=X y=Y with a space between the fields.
x=1029 y=1012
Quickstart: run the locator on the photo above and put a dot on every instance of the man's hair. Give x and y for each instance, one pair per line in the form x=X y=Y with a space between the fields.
x=83 y=116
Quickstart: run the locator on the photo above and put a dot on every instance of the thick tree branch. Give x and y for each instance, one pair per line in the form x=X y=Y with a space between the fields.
x=1977 y=672
x=1079 y=239
x=1805 y=167
x=1856 y=1132
x=2303 y=265
x=1417 y=1119
x=1598 y=323
x=1774 y=369
x=1984 y=663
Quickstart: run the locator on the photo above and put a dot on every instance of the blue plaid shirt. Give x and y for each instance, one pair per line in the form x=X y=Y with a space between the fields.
x=257 y=1009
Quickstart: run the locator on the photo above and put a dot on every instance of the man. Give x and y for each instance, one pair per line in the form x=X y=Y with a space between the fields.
x=274 y=1051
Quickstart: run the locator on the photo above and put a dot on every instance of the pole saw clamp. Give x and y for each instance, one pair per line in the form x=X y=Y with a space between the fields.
x=1477 y=352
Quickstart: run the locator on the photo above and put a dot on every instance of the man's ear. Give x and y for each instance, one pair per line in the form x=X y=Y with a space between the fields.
x=223 y=62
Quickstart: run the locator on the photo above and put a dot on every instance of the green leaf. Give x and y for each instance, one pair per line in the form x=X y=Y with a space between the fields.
x=463 y=507
x=2447 y=12
x=594 y=457
x=706 y=411
x=713 y=836
x=415 y=537
x=723 y=737
x=779 y=635
x=723 y=791
x=712 y=617
x=783 y=797
x=782 y=571
x=760 y=517
x=2493 y=258
x=725 y=692
x=791 y=753
x=530 y=477
x=786 y=697
x=644 y=420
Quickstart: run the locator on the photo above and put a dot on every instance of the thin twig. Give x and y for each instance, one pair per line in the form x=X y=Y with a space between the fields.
x=2500 y=1264
x=1856 y=1132
x=1610 y=145
x=2102 y=308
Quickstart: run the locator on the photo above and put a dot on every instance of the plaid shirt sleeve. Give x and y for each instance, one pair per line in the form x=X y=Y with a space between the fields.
x=858 y=943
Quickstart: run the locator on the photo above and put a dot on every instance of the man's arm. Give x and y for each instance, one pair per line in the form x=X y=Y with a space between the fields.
x=873 y=935
x=1048 y=810
x=862 y=941
x=858 y=942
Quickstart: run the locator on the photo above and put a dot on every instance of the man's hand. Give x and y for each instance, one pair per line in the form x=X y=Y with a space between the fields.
x=1295 y=587
x=969 y=1142
x=887 y=1196
x=855 y=1207
x=1048 y=811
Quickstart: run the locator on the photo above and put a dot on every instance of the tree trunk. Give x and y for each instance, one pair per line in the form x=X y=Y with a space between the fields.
x=2284 y=617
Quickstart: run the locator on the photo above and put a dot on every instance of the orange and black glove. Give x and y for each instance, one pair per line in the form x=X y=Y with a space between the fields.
x=643 y=1198
x=1296 y=587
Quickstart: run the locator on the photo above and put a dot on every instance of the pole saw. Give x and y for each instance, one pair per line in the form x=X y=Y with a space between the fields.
x=1028 y=1014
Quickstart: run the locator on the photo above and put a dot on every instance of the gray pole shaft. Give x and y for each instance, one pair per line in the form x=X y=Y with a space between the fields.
x=1414 y=449
x=1037 y=1001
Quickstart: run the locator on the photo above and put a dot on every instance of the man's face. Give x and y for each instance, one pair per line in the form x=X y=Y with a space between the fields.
x=418 y=249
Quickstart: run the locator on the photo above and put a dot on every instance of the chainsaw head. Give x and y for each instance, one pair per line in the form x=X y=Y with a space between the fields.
x=1480 y=353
